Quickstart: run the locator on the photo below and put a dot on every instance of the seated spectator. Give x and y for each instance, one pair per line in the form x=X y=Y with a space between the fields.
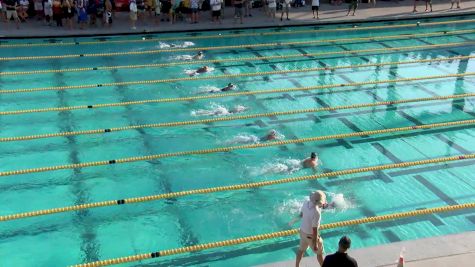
x=23 y=9
x=340 y=258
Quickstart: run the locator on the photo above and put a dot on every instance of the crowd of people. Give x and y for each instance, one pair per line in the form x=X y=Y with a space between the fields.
x=91 y=13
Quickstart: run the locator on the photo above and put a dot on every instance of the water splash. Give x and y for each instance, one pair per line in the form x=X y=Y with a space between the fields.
x=242 y=138
x=279 y=166
x=339 y=201
x=163 y=45
x=194 y=72
x=218 y=110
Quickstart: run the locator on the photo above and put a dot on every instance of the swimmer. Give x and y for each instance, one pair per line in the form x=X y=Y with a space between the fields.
x=238 y=109
x=311 y=162
x=218 y=110
x=272 y=135
x=199 y=56
x=203 y=69
x=229 y=87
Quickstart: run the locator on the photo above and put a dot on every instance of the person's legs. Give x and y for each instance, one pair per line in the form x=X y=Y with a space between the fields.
x=305 y=242
x=414 y=10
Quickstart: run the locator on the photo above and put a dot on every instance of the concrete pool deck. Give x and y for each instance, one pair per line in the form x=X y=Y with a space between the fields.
x=443 y=251
x=298 y=16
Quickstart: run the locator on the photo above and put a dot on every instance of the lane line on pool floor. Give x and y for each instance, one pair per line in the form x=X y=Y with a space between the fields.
x=215 y=95
x=234 y=187
x=171 y=80
x=232 y=148
x=178 y=63
x=231 y=118
x=222 y=36
x=249 y=239
x=279 y=45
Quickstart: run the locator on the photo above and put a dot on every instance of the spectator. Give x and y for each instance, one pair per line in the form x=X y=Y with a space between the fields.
x=315 y=7
x=166 y=6
x=194 y=10
x=341 y=258
x=48 y=11
x=238 y=10
x=108 y=13
x=247 y=8
x=310 y=213
x=11 y=7
x=285 y=8
x=374 y=2
x=92 y=11
x=133 y=14
x=149 y=7
x=23 y=9
x=58 y=13
x=100 y=6
x=453 y=2
x=82 y=14
x=271 y=7
x=39 y=9
x=68 y=12
x=3 y=11
x=140 y=9
x=428 y=3
x=353 y=5
x=157 y=8
x=216 y=10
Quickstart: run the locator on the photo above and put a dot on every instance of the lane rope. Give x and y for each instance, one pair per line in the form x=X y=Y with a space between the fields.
x=213 y=48
x=171 y=80
x=159 y=65
x=231 y=118
x=231 y=187
x=375 y=39
x=213 y=96
x=232 y=148
x=222 y=36
x=248 y=239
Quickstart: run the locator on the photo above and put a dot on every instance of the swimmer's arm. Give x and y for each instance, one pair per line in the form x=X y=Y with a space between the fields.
x=294 y=220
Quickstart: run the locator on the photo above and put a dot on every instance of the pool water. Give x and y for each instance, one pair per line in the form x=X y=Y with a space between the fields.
x=116 y=231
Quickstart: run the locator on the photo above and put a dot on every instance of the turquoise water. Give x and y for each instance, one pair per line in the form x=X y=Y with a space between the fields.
x=103 y=233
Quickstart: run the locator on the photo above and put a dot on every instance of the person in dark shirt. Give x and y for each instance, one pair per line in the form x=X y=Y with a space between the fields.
x=340 y=258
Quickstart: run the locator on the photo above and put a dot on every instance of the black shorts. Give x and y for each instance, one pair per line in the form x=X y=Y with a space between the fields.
x=217 y=13
x=315 y=8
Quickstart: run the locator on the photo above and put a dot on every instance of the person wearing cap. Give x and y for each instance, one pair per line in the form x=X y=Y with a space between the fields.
x=199 y=56
x=341 y=258
x=229 y=87
x=310 y=213
x=311 y=162
x=272 y=135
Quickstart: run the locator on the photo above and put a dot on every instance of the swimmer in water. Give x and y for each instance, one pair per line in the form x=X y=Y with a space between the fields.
x=229 y=87
x=203 y=69
x=272 y=135
x=199 y=56
x=311 y=162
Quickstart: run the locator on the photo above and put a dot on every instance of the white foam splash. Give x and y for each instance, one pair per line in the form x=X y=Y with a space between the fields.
x=291 y=206
x=183 y=57
x=242 y=138
x=208 y=89
x=339 y=201
x=280 y=166
x=163 y=45
x=218 y=110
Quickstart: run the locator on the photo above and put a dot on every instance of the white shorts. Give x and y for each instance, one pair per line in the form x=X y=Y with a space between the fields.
x=306 y=241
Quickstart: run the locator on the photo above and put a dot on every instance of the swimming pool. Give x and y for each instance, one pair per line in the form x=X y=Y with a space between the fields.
x=305 y=67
